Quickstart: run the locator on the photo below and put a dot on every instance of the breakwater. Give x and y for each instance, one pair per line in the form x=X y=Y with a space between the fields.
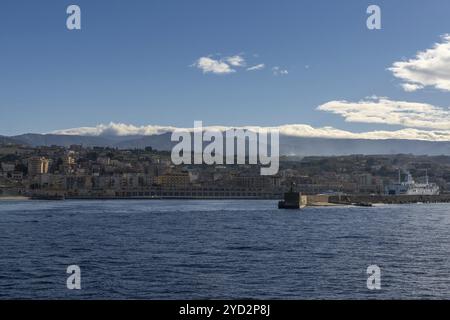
x=385 y=199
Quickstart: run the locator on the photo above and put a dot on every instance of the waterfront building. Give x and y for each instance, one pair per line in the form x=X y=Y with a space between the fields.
x=37 y=165
x=173 y=180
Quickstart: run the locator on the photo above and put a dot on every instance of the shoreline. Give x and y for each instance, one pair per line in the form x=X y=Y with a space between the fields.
x=15 y=198
x=373 y=201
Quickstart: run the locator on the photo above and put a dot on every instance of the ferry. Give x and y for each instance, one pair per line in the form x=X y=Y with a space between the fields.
x=411 y=188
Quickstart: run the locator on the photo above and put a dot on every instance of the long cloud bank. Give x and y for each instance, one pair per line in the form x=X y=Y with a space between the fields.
x=295 y=130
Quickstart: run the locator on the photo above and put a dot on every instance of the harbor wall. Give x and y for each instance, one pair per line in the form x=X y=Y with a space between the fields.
x=386 y=199
x=317 y=199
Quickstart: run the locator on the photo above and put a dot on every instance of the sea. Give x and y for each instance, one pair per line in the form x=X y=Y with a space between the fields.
x=181 y=249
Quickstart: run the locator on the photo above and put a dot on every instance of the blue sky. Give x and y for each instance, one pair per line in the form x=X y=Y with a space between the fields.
x=133 y=62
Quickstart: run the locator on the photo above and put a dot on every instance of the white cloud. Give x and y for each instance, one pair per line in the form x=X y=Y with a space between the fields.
x=430 y=68
x=297 y=130
x=236 y=61
x=279 y=71
x=385 y=111
x=257 y=67
x=209 y=65
x=411 y=87
x=116 y=129
x=231 y=64
x=302 y=130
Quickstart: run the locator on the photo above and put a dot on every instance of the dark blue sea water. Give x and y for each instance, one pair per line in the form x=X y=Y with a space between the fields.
x=221 y=250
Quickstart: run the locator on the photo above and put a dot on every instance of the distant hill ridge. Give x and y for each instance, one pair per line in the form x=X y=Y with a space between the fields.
x=289 y=145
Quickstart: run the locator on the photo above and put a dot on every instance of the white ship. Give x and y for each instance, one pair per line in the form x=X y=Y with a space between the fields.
x=411 y=188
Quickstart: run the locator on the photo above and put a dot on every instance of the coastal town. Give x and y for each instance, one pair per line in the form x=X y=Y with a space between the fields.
x=78 y=172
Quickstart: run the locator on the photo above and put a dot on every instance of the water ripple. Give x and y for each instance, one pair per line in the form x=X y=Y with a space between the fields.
x=221 y=250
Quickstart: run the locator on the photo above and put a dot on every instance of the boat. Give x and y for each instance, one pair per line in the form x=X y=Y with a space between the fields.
x=412 y=188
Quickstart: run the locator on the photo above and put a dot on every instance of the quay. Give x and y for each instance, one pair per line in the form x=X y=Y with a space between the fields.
x=298 y=200
x=302 y=201
x=389 y=199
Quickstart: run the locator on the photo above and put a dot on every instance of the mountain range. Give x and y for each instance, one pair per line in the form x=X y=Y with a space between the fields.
x=289 y=145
